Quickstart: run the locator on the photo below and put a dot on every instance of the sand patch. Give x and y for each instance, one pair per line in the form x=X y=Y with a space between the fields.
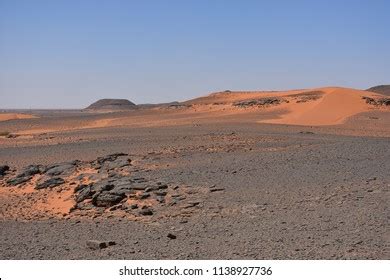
x=334 y=107
x=15 y=116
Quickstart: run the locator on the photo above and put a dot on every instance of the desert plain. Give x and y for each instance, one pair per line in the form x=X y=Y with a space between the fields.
x=298 y=174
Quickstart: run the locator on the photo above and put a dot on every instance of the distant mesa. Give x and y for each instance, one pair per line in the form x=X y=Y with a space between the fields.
x=381 y=89
x=112 y=104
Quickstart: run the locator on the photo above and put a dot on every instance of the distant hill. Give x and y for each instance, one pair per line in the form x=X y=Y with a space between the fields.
x=112 y=104
x=382 y=89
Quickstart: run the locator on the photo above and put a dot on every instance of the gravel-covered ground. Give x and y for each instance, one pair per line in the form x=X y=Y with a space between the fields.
x=283 y=192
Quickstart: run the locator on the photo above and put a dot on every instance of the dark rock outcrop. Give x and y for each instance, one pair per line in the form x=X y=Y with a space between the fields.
x=107 y=199
x=377 y=101
x=25 y=175
x=259 y=102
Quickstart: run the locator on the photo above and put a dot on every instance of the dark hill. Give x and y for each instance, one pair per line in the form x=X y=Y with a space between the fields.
x=112 y=104
x=382 y=89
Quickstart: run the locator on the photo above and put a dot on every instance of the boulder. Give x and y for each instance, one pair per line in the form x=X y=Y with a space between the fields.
x=107 y=199
x=146 y=212
x=18 y=180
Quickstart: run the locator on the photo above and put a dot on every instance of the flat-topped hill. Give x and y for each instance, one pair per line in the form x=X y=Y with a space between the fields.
x=112 y=104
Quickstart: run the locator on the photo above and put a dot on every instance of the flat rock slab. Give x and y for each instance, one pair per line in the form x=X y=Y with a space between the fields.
x=50 y=183
x=60 y=169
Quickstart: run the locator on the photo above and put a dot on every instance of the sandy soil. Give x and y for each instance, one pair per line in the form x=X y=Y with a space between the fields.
x=228 y=181
x=14 y=116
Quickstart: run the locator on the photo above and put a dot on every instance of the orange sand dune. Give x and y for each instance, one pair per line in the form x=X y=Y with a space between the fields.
x=331 y=105
x=15 y=116
x=334 y=107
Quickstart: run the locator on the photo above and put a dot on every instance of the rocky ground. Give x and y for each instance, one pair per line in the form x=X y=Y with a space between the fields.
x=207 y=191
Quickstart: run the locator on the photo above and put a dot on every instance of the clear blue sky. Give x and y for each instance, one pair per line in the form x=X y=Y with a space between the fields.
x=67 y=54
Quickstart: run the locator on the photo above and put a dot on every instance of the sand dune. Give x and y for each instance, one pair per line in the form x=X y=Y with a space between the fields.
x=334 y=107
x=314 y=107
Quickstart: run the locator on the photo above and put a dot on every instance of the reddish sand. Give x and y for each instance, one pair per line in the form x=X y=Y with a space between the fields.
x=310 y=107
x=334 y=107
x=15 y=116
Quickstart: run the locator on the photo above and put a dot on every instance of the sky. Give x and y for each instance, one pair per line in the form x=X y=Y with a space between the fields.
x=68 y=54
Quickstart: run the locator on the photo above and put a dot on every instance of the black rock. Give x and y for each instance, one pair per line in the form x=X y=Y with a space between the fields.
x=171 y=236
x=25 y=175
x=102 y=186
x=107 y=199
x=18 y=180
x=84 y=194
x=112 y=157
x=50 y=183
x=96 y=244
x=3 y=169
x=59 y=169
x=217 y=189
x=161 y=193
x=30 y=170
x=144 y=195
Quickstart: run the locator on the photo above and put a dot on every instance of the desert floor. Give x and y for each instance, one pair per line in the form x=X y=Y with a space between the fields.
x=225 y=185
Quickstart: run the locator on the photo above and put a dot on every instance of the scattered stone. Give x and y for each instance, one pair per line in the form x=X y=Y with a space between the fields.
x=160 y=199
x=97 y=245
x=161 y=186
x=171 y=236
x=161 y=193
